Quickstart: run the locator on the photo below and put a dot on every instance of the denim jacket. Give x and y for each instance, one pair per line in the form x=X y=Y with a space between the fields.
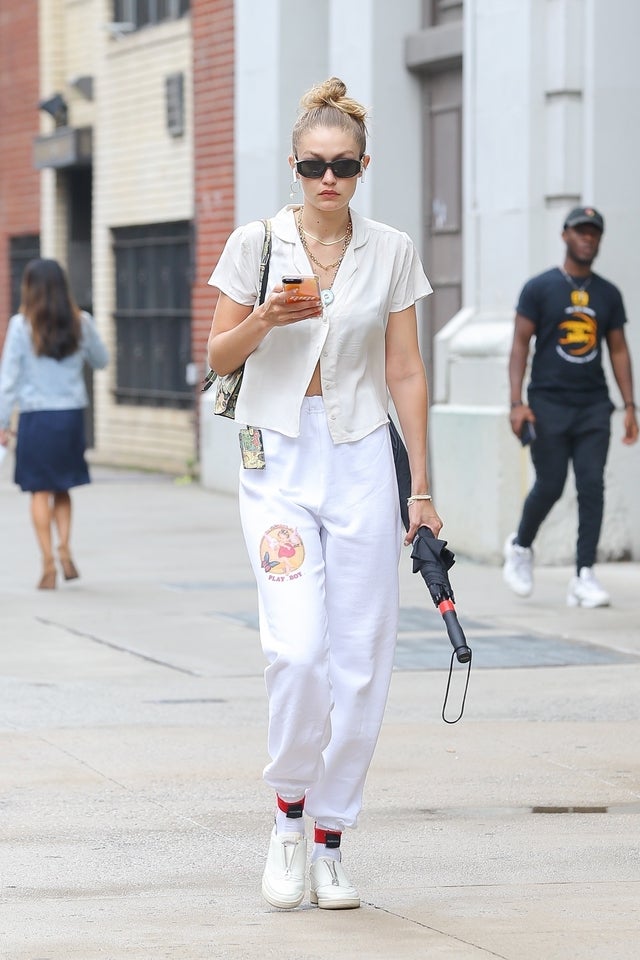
x=42 y=383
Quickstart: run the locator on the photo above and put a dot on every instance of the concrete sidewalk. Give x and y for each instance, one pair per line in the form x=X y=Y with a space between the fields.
x=134 y=821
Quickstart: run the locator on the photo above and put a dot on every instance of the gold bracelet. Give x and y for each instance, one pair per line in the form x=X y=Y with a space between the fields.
x=419 y=496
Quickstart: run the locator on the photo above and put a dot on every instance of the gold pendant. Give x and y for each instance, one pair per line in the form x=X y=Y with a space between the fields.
x=580 y=298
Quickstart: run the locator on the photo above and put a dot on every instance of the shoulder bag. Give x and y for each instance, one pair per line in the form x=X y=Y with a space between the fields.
x=228 y=386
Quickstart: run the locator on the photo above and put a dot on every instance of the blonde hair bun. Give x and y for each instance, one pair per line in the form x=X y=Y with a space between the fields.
x=327 y=104
x=333 y=93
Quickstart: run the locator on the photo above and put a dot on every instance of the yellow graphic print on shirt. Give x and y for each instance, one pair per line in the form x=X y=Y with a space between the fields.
x=578 y=341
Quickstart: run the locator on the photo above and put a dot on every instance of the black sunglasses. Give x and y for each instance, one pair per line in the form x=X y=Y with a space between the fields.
x=343 y=169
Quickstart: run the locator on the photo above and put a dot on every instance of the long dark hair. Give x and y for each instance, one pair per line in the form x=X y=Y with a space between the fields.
x=50 y=309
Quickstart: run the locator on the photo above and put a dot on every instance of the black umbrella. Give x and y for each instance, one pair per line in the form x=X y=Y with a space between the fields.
x=431 y=557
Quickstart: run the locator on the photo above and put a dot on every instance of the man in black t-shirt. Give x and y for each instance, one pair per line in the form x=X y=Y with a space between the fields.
x=570 y=311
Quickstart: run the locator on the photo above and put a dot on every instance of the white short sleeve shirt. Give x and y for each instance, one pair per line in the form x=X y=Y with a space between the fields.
x=381 y=274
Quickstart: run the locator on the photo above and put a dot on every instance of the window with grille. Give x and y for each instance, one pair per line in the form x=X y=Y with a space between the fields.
x=141 y=13
x=153 y=314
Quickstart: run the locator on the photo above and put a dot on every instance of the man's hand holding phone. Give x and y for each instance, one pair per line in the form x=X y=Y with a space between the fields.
x=527 y=433
x=522 y=421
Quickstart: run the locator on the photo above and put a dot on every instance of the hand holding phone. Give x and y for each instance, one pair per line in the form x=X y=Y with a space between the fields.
x=300 y=288
x=527 y=433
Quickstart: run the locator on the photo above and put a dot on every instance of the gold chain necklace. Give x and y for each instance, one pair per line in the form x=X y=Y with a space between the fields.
x=325 y=243
x=579 y=295
x=572 y=281
x=346 y=241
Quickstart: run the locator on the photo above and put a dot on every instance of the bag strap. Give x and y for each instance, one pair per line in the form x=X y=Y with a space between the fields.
x=264 y=261
x=265 y=256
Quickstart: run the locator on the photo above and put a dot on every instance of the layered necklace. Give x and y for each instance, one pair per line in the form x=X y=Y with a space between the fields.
x=579 y=295
x=326 y=294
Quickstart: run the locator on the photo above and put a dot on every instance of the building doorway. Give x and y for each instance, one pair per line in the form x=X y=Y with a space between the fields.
x=442 y=104
x=21 y=251
x=79 y=195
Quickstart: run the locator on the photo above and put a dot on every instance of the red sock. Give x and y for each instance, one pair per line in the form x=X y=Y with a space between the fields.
x=326 y=843
x=289 y=817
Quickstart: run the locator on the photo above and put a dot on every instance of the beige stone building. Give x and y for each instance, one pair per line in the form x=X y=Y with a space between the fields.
x=116 y=155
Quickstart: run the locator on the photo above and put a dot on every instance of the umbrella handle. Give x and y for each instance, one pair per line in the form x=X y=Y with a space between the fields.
x=455 y=631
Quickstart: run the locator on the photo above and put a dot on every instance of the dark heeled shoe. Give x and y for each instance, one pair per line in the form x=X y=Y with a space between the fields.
x=69 y=569
x=48 y=578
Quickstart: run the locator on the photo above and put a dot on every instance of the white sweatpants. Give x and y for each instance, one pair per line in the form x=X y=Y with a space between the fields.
x=322 y=528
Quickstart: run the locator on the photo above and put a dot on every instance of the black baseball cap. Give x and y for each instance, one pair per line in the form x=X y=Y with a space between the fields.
x=580 y=215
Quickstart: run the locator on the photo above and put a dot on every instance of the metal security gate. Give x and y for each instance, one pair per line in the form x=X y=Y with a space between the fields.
x=153 y=314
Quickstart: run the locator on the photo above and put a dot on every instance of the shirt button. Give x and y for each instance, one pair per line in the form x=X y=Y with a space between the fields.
x=333 y=416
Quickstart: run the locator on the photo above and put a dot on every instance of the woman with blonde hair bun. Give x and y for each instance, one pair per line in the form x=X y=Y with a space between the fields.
x=318 y=495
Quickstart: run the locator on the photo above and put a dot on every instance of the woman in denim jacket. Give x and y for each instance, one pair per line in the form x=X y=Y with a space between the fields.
x=41 y=374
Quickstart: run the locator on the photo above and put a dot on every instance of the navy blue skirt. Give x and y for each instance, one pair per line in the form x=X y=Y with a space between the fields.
x=50 y=451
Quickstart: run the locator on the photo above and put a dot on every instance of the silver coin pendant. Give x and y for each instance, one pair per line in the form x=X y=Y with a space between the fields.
x=327 y=297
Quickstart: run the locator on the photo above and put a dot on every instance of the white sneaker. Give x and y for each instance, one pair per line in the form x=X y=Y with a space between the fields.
x=585 y=591
x=331 y=889
x=284 y=872
x=517 y=572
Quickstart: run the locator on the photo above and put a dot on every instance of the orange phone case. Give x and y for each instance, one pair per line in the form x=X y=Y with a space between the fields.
x=301 y=288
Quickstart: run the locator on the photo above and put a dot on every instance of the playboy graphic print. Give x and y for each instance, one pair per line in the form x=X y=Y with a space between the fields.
x=281 y=552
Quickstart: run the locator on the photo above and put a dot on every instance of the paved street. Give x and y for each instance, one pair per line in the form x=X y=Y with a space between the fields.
x=133 y=818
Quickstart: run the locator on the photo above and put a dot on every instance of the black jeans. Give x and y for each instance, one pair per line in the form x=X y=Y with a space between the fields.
x=563 y=433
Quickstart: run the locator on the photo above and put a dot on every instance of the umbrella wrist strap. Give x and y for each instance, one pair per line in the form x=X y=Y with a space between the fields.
x=464 y=695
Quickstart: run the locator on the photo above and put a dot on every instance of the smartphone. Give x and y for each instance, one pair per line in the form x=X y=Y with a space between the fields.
x=527 y=434
x=301 y=288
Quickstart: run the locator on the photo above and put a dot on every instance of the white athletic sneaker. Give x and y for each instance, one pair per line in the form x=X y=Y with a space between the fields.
x=517 y=572
x=331 y=889
x=585 y=591
x=284 y=872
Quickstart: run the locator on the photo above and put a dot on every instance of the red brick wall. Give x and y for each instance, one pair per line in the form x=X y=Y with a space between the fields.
x=213 y=83
x=19 y=124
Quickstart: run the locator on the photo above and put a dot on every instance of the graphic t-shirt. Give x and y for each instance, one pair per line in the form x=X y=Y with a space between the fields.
x=570 y=325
